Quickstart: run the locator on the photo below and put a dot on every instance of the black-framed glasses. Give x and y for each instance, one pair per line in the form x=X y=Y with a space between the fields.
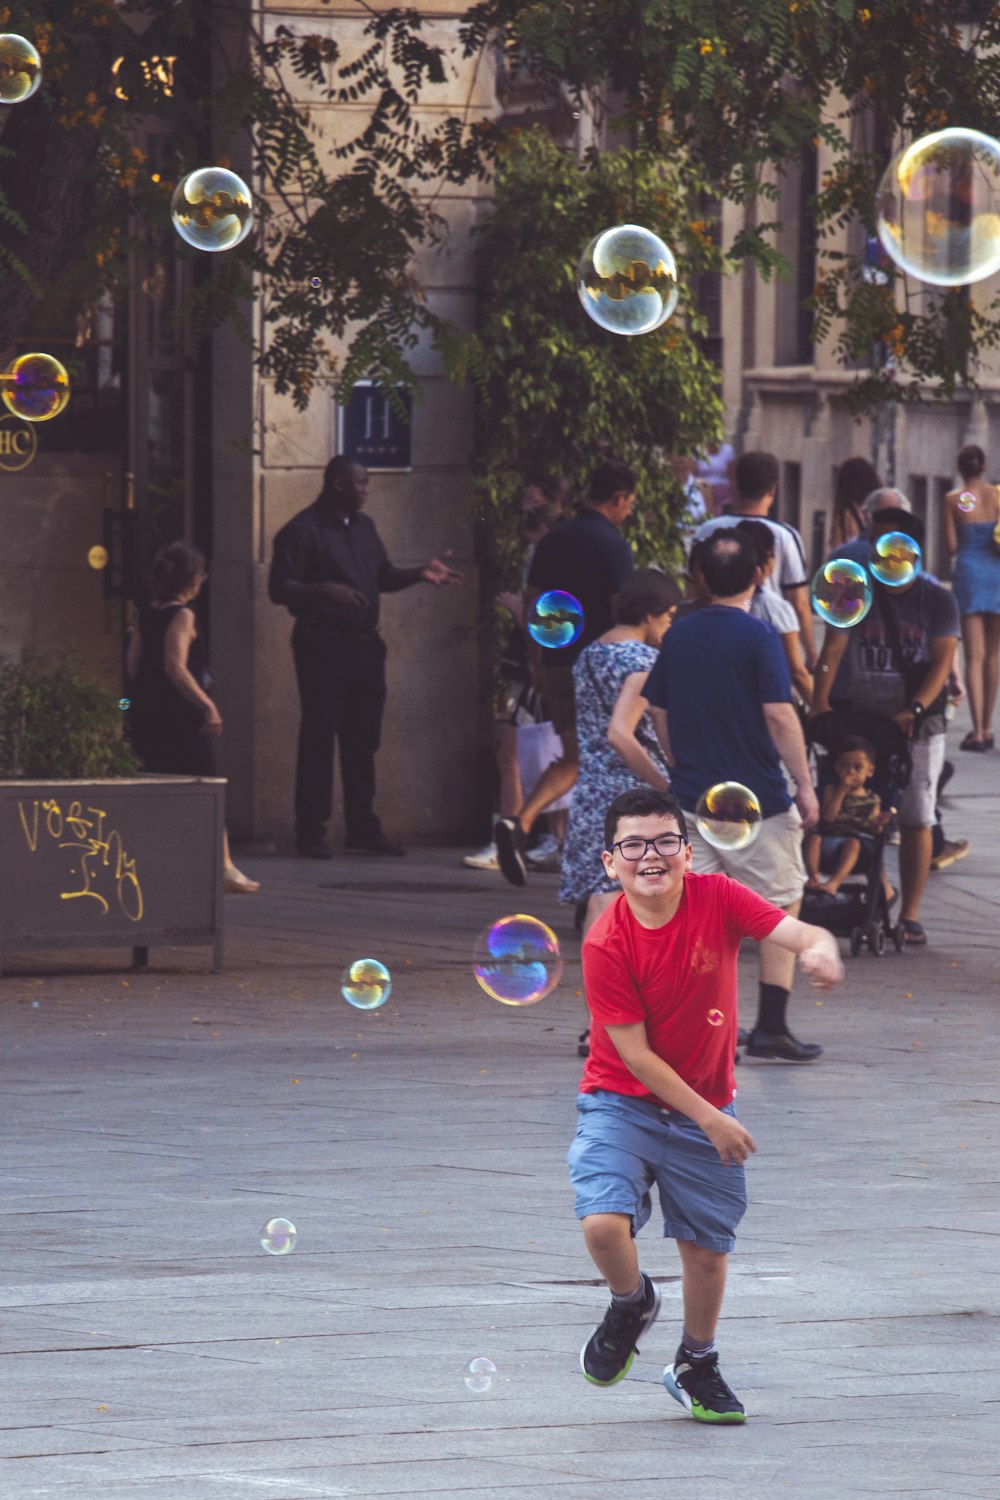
x=667 y=845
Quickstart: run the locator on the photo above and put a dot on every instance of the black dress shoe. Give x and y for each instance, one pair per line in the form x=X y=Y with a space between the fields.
x=313 y=849
x=510 y=850
x=781 y=1046
x=376 y=843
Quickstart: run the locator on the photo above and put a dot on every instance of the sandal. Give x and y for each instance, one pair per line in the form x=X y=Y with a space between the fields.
x=971 y=743
x=235 y=883
x=914 y=935
x=987 y=742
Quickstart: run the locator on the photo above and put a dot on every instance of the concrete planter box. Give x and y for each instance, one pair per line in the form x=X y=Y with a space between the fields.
x=133 y=861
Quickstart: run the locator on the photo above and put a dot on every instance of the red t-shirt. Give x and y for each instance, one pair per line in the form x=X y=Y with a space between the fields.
x=680 y=979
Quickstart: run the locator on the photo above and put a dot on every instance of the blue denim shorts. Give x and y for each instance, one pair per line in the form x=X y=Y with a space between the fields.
x=623 y=1146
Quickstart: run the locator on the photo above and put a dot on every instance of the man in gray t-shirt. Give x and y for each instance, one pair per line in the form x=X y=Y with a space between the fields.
x=907 y=629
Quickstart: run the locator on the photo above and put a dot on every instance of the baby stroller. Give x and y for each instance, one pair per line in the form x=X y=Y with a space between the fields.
x=863 y=916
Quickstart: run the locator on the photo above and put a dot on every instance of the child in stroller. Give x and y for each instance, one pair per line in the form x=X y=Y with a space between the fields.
x=863 y=763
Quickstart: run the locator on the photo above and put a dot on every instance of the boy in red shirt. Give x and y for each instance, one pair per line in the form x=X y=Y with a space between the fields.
x=659 y=969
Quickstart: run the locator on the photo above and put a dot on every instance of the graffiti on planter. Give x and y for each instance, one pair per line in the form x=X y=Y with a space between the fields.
x=101 y=859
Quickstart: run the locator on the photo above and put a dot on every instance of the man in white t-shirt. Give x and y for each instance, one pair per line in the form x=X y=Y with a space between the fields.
x=756 y=476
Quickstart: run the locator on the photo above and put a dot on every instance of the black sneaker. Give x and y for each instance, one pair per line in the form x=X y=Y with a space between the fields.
x=583 y=1045
x=781 y=1046
x=607 y=1355
x=313 y=848
x=375 y=843
x=701 y=1390
x=510 y=850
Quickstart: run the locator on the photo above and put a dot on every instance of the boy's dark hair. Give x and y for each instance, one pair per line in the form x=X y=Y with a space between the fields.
x=728 y=562
x=642 y=802
x=647 y=592
x=971 y=461
x=762 y=537
x=854 y=742
x=755 y=473
x=174 y=569
x=610 y=478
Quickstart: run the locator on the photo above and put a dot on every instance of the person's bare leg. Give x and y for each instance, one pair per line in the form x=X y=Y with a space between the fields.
x=511 y=791
x=845 y=864
x=915 y=848
x=777 y=966
x=812 y=848
x=704 y=1286
x=608 y=1238
x=973 y=641
x=232 y=878
x=556 y=780
x=557 y=823
x=991 y=668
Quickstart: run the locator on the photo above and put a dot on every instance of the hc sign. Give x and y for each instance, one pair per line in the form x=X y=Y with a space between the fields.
x=18 y=443
x=371 y=433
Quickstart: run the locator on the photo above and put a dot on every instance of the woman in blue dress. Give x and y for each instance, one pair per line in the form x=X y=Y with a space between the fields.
x=971 y=516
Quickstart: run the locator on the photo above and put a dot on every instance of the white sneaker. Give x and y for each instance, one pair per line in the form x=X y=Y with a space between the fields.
x=546 y=854
x=486 y=859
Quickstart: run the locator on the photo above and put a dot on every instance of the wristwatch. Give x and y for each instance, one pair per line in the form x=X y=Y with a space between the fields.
x=917 y=709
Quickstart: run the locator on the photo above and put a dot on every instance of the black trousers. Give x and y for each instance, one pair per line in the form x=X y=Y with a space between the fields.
x=342 y=693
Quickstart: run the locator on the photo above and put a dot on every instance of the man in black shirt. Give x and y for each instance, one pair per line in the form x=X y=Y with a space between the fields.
x=329 y=567
x=589 y=558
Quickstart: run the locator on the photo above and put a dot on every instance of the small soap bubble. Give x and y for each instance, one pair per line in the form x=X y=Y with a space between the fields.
x=278 y=1237
x=938 y=207
x=97 y=558
x=124 y=704
x=627 y=280
x=896 y=559
x=212 y=209
x=715 y=1017
x=555 y=619
x=517 y=960
x=841 y=592
x=728 y=815
x=20 y=69
x=35 y=387
x=366 y=984
x=315 y=283
x=479 y=1374
x=966 y=501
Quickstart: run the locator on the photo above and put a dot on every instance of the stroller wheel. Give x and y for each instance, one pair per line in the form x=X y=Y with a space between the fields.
x=898 y=936
x=857 y=938
x=876 y=939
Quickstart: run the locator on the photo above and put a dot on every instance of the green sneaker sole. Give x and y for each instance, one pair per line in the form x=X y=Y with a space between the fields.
x=614 y=1379
x=719 y=1418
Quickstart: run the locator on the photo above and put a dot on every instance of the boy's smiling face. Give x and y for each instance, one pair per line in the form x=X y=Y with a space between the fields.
x=654 y=878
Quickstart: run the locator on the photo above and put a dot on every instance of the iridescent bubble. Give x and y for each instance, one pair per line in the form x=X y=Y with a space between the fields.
x=479 y=1374
x=315 y=283
x=938 y=207
x=895 y=559
x=366 y=984
x=97 y=558
x=841 y=592
x=517 y=960
x=278 y=1237
x=728 y=815
x=715 y=1017
x=555 y=619
x=966 y=501
x=35 y=387
x=212 y=209
x=124 y=704
x=627 y=280
x=20 y=69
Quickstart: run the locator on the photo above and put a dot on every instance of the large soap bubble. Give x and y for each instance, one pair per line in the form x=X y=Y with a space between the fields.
x=212 y=209
x=20 y=69
x=939 y=207
x=895 y=559
x=841 y=592
x=35 y=388
x=517 y=960
x=555 y=619
x=728 y=815
x=627 y=280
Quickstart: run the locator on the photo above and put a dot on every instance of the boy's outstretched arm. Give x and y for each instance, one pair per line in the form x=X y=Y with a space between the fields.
x=818 y=951
x=732 y=1140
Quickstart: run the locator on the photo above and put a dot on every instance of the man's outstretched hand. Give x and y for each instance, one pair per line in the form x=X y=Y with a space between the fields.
x=437 y=571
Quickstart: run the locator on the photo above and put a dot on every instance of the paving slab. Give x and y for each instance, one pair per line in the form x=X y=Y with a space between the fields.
x=154 y=1121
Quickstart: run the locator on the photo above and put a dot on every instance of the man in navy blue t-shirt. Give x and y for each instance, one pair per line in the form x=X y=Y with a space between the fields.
x=720 y=697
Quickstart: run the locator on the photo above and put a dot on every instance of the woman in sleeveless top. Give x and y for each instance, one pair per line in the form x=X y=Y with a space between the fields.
x=172 y=719
x=971 y=516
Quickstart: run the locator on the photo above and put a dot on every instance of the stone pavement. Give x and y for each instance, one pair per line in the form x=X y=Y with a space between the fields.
x=153 y=1122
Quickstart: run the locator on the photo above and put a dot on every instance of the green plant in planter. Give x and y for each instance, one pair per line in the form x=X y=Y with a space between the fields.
x=56 y=724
